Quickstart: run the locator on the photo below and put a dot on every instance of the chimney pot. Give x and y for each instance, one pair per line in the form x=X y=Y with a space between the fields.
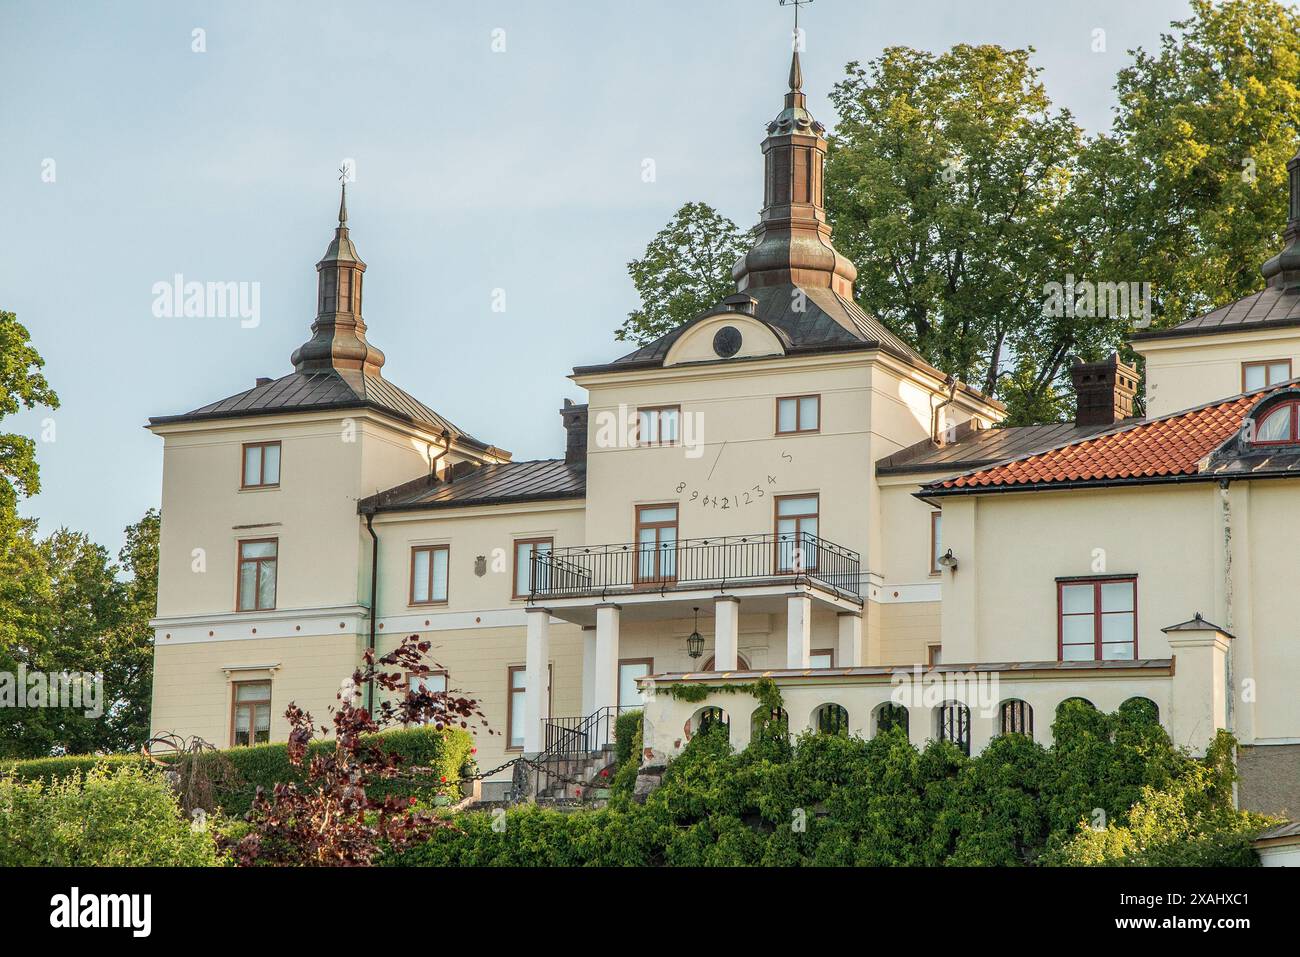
x=575 y=427
x=1104 y=391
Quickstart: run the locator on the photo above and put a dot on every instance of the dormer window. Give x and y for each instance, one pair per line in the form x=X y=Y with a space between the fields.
x=1278 y=425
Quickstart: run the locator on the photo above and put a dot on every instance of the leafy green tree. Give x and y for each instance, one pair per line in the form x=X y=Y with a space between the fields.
x=22 y=385
x=944 y=181
x=64 y=607
x=685 y=270
x=1194 y=167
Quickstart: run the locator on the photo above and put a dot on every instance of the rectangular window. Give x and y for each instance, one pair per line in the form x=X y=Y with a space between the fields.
x=1257 y=375
x=1097 y=619
x=796 y=533
x=434 y=681
x=261 y=465
x=429 y=574
x=934 y=655
x=525 y=548
x=250 y=721
x=798 y=413
x=516 y=686
x=821 y=658
x=629 y=669
x=936 y=541
x=257 y=564
x=660 y=425
x=656 y=543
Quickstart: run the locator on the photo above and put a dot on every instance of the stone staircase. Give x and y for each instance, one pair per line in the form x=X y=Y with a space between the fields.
x=577 y=778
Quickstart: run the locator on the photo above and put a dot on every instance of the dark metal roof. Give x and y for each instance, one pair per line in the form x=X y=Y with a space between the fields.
x=1272 y=307
x=978 y=447
x=319 y=391
x=1196 y=624
x=484 y=485
x=827 y=321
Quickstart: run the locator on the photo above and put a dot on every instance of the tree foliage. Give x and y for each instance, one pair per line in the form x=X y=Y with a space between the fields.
x=66 y=606
x=22 y=386
x=685 y=270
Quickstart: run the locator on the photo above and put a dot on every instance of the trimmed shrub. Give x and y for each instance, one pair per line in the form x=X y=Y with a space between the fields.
x=123 y=816
x=445 y=752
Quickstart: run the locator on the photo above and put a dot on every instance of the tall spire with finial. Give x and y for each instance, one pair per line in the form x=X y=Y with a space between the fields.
x=1283 y=270
x=338 y=338
x=793 y=239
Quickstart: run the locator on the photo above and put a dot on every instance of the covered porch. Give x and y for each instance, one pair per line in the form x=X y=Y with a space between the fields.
x=793 y=602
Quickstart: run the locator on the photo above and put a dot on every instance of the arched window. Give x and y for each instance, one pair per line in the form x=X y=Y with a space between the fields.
x=764 y=718
x=708 y=718
x=1016 y=717
x=1142 y=710
x=1075 y=702
x=954 y=724
x=890 y=715
x=1278 y=425
x=831 y=719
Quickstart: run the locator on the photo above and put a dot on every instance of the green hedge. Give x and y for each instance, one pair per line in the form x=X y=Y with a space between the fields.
x=446 y=752
x=838 y=800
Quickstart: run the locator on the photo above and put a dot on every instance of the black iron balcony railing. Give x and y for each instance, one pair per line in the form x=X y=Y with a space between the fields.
x=704 y=562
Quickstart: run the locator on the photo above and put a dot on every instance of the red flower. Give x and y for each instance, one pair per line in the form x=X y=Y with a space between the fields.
x=473 y=750
x=410 y=802
x=605 y=773
x=444 y=780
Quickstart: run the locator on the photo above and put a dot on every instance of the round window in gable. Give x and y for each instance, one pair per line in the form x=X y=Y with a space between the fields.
x=726 y=341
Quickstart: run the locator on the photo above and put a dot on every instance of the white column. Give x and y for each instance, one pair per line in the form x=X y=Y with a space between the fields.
x=588 y=670
x=850 y=655
x=537 y=667
x=798 y=630
x=726 y=633
x=606 y=671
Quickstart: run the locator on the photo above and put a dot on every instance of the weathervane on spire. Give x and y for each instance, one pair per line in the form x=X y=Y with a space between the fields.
x=796 y=4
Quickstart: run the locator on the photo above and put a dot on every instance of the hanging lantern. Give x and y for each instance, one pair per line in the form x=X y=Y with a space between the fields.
x=695 y=643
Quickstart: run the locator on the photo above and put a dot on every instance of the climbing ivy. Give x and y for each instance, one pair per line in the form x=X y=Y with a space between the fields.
x=764 y=691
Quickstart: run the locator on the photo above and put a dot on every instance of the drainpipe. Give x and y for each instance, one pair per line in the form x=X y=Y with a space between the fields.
x=446 y=447
x=1225 y=516
x=374 y=591
x=951 y=383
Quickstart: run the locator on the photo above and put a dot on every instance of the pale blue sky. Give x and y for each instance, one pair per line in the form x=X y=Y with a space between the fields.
x=475 y=171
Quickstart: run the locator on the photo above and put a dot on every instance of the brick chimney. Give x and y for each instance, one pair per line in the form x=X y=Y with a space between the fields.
x=575 y=425
x=1104 y=391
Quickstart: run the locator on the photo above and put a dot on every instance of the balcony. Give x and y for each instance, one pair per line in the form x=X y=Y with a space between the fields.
x=696 y=563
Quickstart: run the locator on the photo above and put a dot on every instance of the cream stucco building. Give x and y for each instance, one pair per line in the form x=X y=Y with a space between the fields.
x=781 y=486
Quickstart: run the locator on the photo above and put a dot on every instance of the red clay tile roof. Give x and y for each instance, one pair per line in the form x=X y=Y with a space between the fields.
x=1171 y=445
